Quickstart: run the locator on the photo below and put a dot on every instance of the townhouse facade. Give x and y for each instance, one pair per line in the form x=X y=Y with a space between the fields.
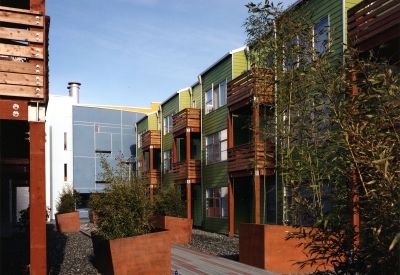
x=233 y=178
x=23 y=102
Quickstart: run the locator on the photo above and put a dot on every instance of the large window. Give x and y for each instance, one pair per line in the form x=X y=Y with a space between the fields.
x=216 y=147
x=217 y=202
x=168 y=123
x=320 y=35
x=167 y=161
x=216 y=97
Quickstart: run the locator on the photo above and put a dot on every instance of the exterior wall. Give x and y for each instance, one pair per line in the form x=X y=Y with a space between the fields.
x=214 y=175
x=58 y=122
x=197 y=94
x=169 y=107
x=239 y=63
x=116 y=133
x=184 y=100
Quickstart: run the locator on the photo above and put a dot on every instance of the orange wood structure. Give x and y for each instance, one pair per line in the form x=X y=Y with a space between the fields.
x=254 y=158
x=372 y=23
x=151 y=145
x=186 y=125
x=23 y=100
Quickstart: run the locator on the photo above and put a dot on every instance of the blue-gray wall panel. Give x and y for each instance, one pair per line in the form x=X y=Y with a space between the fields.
x=103 y=141
x=84 y=173
x=83 y=138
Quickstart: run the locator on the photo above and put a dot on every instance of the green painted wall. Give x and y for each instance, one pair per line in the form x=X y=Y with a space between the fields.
x=168 y=108
x=184 y=100
x=153 y=122
x=197 y=94
x=239 y=63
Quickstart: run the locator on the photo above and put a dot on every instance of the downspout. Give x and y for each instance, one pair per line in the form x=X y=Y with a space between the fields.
x=161 y=138
x=191 y=97
x=137 y=147
x=201 y=147
x=344 y=27
x=276 y=138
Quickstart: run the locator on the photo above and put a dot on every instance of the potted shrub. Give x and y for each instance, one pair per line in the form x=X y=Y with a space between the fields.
x=67 y=218
x=125 y=242
x=169 y=212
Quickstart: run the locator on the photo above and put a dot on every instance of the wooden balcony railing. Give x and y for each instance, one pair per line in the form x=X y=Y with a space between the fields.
x=247 y=157
x=371 y=23
x=23 y=53
x=151 y=138
x=188 y=117
x=151 y=177
x=253 y=83
x=186 y=170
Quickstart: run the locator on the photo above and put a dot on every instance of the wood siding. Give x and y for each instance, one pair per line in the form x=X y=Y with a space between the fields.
x=23 y=56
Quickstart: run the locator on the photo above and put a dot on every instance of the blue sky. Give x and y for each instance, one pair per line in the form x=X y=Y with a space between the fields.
x=133 y=52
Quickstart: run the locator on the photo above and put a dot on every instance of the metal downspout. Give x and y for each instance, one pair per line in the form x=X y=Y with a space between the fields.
x=276 y=139
x=161 y=141
x=201 y=148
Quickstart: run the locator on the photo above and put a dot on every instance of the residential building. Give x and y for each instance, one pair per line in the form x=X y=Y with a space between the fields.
x=23 y=102
x=77 y=134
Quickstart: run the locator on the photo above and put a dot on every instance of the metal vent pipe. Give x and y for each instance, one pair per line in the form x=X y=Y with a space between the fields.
x=74 y=90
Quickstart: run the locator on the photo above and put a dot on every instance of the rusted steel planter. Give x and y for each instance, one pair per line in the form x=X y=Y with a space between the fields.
x=144 y=254
x=180 y=228
x=265 y=246
x=68 y=222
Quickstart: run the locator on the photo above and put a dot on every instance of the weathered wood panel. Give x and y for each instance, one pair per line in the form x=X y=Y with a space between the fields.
x=22 y=51
x=21 y=79
x=21 y=91
x=21 y=35
x=21 y=16
x=34 y=67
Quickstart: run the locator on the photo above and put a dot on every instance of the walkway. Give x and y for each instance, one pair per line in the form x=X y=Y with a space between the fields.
x=192 y=262
x=185 y=261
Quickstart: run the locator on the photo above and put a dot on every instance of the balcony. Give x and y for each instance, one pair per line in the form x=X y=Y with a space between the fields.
x=23 y=53
x=151 y=177
x=371 y=23
x=243 y=159
x=151 y=138
x=186 y=170
x=255 y=84
x=187 y=118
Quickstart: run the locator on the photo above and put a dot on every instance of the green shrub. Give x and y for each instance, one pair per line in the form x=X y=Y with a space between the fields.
x=167 y=202
x=122 y=207
x=68 y=200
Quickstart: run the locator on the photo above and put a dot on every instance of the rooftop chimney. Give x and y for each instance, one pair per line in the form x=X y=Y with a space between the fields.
x=74 y=91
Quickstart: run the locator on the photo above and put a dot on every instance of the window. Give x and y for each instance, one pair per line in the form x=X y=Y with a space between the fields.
x=320 y=36
x=216 y=147
x=139 y=141
x=216 y=97
x=65 y=140
x=194 y=104
x=97 y=128
x=65 y=172
x=167 y=161
x=168 y=123
x=217 y=202
x=139 y=168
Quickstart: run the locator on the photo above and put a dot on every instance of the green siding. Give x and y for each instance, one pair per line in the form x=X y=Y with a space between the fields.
x=184 y=100
x=197 y=94
x=240 y=64
x=243 y=200
x=168 y=108
x=153 y=122
x=142 y=126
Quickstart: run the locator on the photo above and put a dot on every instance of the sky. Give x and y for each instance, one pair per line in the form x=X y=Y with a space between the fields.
x=134 y=52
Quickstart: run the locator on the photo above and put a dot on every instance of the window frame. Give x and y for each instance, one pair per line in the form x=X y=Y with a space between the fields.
x=323 y=31
x=168 y=123
x=167 y=159
x=217 y=147
x=217 y=202
x=216 y=97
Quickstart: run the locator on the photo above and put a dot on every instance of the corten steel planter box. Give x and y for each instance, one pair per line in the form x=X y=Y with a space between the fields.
x=265 y=246
x=144 y=254
x=180 y=228
x=68 y=222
